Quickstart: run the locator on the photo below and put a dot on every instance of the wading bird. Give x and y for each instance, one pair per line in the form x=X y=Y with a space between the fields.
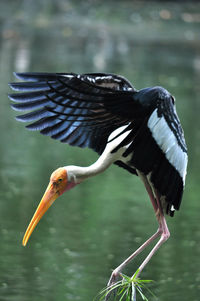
x=137 y=130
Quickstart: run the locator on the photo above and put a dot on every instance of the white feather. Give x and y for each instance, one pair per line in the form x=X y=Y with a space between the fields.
x=168 y=143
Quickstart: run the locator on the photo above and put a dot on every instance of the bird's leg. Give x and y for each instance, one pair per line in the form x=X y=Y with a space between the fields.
x=164 y=236
x=149 y=191
x=164 y=231
x=117 y=271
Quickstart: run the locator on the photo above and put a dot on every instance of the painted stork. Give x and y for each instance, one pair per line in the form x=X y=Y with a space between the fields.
x=136 y=130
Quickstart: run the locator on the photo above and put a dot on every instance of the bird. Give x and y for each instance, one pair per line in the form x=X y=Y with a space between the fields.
x=138 y=130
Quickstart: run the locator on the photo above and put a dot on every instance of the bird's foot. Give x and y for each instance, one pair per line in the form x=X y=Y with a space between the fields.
x=111 y=283
x=113 y=278
x=125 y=284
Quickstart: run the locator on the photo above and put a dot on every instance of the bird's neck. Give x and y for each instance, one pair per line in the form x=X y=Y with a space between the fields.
x=78 y=174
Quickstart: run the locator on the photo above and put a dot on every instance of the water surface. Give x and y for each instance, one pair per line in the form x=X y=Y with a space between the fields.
x=92 y=228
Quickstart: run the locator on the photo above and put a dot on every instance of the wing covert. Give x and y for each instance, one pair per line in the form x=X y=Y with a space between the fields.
x=166 y=130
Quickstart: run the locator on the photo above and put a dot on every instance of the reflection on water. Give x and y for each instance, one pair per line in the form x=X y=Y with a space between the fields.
x=92 y=228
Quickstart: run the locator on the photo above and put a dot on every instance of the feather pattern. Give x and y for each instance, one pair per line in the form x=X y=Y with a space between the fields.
x=83 y=110
x=61 y=103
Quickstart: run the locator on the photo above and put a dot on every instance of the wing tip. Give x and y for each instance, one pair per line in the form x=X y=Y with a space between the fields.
x=20 y=75
x=10 y=96
x=31 y=127
x=18 y=118
x=29 y=76
x=14 y=87
x=16 y=107
x=16 y=97
x=16 y=74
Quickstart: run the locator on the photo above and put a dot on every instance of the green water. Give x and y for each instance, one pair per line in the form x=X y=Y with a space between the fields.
x=92 y=228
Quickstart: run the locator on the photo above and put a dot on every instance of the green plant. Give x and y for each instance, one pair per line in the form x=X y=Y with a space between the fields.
x=126 y=288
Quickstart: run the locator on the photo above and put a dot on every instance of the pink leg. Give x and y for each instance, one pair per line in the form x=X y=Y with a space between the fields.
x=162 y=231
x=149 y=190
x=117 y=271
x=164 y=236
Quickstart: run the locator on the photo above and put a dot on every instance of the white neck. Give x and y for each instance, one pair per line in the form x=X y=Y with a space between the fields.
x=77 y=174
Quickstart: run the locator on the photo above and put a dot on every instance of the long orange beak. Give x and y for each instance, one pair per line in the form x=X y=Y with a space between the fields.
x=49 y=197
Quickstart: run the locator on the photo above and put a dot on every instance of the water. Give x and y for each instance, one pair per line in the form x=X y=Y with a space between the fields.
x=92 y=228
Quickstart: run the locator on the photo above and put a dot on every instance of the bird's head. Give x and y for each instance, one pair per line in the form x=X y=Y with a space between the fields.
x=60 y=181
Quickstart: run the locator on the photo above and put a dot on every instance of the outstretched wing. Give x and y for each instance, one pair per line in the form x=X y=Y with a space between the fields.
x=80 y=110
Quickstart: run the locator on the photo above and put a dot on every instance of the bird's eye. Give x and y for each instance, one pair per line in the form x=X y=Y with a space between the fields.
x=59 y=180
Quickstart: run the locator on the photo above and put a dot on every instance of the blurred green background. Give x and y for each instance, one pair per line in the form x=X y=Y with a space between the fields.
x=92 y=228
